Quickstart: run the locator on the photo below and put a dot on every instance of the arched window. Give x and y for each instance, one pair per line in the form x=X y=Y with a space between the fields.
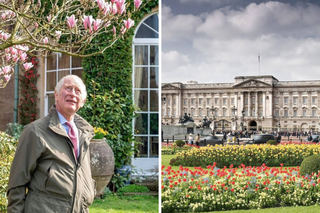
x=146 y=86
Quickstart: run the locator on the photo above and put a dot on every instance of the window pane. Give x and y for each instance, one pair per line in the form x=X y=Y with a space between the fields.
x=61 y=74
x=154 y=55
x=51 y=81
x=77 y=73
x=51 y=101
x=143 y=147
x=141 y=124
x=154 y=99
x=52 y=62
x=76 y=62
x=154 y=123
x=141 y=77
x=141 y=55
x=141 y=99
x=154 y=146
x=154 y=77
x=149 y=28
x=63 y=61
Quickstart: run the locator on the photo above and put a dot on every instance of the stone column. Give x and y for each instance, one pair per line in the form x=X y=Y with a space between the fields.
x=264 y=104
x=270 y=104
x=249 y=103
x=257 y=104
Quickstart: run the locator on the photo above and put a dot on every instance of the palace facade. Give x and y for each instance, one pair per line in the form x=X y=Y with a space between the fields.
x=260 y=103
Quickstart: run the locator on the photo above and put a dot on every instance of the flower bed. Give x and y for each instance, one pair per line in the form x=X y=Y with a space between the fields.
x=172 y=149
x=236 y=188
x=254 y=155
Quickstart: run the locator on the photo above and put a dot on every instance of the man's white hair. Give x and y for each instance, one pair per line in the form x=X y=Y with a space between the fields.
x=78 y=81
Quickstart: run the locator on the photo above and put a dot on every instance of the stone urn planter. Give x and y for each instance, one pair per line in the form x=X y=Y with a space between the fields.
x=102 y=163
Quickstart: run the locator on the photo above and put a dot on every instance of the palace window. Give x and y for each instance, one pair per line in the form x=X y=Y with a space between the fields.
x=208 y=112
x=261 y=101
x=253 y=113
x=224 y=101
x=276 y=113
x=208 y=101
x=216 y=101
x=304 y=100
x=294 y=112
x=314 y=100
x=192 y=101
x=169 y=112
x=286 y=113
x=276 y=100
x=224 y=111
x=285 y=100
x=304 y=112
x=314 y=112
x=192 y=112
x=185 y=101
x=253 y=100
x=260 y=113
x=246 y=101
x=295 y=100
x=200 y=112
x=200 y=101
x=232 y=101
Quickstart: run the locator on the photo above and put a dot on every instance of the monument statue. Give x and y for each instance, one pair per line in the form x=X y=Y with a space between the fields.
x=206 y=122
x=185 y=119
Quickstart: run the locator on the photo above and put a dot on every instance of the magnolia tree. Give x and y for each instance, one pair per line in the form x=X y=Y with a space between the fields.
x=40 y=27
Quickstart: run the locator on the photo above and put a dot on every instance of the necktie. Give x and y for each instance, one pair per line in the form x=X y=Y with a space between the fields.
x=73 y=137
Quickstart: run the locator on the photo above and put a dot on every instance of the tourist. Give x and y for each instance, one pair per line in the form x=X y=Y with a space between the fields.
x=197 y=139
x=51 y=169
x=190 y=139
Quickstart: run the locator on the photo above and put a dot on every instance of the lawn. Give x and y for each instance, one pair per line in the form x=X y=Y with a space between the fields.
x=119 y=204
x=301 y=209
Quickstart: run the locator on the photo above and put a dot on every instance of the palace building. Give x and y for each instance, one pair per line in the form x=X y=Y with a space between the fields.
x=260 y=103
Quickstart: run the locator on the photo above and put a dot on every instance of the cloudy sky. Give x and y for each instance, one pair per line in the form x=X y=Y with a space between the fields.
x=212 y=41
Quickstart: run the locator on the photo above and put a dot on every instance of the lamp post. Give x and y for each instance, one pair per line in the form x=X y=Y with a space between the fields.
x=243 y=114
x=279 y=126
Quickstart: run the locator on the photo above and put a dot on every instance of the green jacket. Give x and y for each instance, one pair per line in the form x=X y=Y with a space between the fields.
x=45 y=177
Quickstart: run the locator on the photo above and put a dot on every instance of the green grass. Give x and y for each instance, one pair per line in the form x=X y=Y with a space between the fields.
x=165 y=159
x=119 y=204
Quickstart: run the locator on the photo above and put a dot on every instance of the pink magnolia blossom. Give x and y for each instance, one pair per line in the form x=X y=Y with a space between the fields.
x=123 y=30
x=45 y=40
x=128 y=23
x=107 y=9
x=71 y=21
x=114 y=30
x=4 y=36
x=8 y=57
x=96 y=24
x=113 y=1
x=36 y=25
x=27 y=66
x=121 y=6
x=58 y=34
x=7 y=77
x=15 y=58
x=101 y=4
x=3 y=16
x=137 y=3
x=87 y=22
x=49 y=18
x=107 y=24
x=6 y=69
x=23 y=56
x=114 y=9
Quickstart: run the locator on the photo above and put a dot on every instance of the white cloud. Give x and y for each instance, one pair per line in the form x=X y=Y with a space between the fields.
x=178 y=27
x=225 y=43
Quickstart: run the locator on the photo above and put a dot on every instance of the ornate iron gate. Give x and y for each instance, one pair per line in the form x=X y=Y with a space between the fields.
x=223 y=125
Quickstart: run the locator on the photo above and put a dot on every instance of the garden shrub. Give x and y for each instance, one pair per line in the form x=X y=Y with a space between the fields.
x=179 y=143
x=272 y=142
x=310 y=165
x=7 y=150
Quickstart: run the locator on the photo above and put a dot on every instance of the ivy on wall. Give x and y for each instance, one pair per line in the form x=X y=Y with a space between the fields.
x=108 y=78
x=28 y=110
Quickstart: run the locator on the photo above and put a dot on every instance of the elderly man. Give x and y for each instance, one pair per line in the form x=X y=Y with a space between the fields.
x=51 y=169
